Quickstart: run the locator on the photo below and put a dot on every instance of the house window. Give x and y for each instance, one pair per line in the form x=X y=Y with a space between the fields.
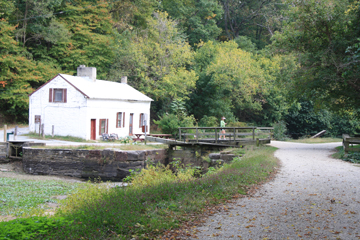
x=103 y=126
x=120 y=118
x=58 y=95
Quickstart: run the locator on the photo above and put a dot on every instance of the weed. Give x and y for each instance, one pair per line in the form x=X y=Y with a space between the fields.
x=29 y=228
x=316 y=140
x=157 y=200
x=27 y=197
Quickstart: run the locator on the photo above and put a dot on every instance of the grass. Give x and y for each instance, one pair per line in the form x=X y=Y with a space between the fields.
x=13 y=125
x=56 y=137
x=316 y=140
x=146 y=212
x=24 y=197
x=353 y=157
x=136 y=147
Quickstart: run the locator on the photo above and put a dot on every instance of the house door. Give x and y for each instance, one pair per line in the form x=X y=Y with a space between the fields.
x=131 y=124
x=93 y=129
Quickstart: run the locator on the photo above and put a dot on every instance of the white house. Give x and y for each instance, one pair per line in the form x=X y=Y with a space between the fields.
x=83 y=106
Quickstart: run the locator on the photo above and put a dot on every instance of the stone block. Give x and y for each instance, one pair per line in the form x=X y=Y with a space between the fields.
x=132 y=156
x=120 y=156
x=108 y=154
x=227 y=157
x=141 y=155
x=214 y=155
x=94 y=154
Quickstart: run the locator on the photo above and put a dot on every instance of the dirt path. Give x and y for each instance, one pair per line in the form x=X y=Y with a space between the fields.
x=312 y=197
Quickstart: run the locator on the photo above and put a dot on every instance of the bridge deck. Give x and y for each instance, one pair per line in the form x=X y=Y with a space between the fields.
x=209 y=142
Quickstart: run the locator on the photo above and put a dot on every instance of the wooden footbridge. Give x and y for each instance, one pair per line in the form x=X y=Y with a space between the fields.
x=210 y=137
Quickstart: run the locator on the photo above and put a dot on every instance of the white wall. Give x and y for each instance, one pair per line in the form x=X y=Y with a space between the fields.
x=107 y=109
x=74 y=117
x=68 y=118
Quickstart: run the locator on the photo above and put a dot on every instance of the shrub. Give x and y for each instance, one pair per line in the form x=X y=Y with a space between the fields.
x=169 y=123
x=209 y=122
x=279 y=131
x=152 y=175
x=353 y=157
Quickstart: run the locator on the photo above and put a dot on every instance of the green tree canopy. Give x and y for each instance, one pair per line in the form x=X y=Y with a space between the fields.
x=156 y=61
x=320 y=32
x=197 y=18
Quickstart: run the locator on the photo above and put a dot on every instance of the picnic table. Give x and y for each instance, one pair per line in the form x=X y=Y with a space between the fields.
x=137 y=137
x=161 y=135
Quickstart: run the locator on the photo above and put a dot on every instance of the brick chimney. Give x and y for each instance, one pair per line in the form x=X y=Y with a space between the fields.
x=90 y=72
x=124 y=79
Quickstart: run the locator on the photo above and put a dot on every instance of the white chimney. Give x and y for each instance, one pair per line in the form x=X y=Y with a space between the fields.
x=90 y=72
x=124 y=79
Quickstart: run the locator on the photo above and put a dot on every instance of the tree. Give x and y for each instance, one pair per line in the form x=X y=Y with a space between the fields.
x=197 y=18
x=320 y=33
x=19 y=74
x=230 y=81
x=36 y=22
x=257 y=19
x=156 y=61
x=129 y=15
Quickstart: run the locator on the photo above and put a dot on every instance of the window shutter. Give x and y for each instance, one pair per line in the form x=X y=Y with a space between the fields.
x=107 y=125
x=50 y=95
x=117 y=119
x=65 y=95
x=123 y=119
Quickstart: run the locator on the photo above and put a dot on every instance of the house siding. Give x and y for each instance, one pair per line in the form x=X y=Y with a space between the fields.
x=68 y=118
x=73 y=117
x=107 y=109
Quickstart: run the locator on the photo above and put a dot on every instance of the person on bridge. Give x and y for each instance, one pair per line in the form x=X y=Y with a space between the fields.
x=222 y=125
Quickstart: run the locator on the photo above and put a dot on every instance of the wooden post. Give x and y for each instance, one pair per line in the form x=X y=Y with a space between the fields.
x=42 y=131
x=40 y=128
x=234 y=134
x=197 y=135
x=257 y=142
x=253 y=134
x=5 y=129
x=16 y=132
x=216 y=136
x=179 y=134
x=52 y=132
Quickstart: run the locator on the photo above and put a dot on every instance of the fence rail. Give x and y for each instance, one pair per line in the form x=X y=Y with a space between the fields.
x=213 y=133
x=347 y=140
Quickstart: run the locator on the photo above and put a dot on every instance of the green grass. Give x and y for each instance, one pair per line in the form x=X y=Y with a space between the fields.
x=24 y=197
x=316 y=140
x=13 y=125
x=142 y=213
x=136 y=147
x=353 y=157
x=56 y=137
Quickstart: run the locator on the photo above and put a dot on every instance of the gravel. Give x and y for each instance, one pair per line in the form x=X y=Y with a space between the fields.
x=313 y=196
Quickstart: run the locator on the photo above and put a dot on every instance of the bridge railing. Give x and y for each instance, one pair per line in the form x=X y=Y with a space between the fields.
x=347 y=140
x=214 y=133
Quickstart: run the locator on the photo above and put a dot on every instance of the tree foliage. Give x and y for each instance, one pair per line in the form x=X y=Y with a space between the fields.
x=324 y=36
x=156 y=61
x=19 y=74
x=197 y=18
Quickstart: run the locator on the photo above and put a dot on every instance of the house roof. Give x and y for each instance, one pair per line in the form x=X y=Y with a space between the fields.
x=101 y=89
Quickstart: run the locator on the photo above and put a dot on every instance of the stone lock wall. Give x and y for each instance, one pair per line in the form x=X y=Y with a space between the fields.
x=200 y=157
x=3 y=152
x=108 y=164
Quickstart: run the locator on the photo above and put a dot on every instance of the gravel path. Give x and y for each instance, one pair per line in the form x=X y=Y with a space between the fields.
x=312 y=197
